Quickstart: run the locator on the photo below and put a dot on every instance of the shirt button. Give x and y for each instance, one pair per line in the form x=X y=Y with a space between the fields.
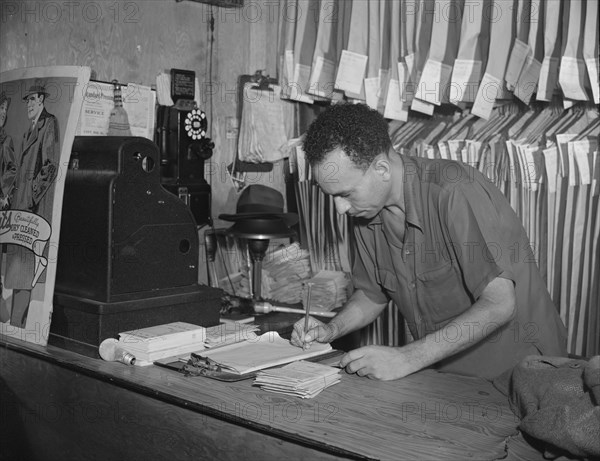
x=407 y=252
x=413 y=285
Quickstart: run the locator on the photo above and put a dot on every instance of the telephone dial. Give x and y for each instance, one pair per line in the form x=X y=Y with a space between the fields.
x=195 y=124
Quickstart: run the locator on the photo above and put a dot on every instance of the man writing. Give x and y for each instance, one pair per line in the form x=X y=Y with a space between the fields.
x=438 y=239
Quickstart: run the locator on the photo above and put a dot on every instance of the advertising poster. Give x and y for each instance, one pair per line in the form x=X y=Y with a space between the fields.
x=39 y=110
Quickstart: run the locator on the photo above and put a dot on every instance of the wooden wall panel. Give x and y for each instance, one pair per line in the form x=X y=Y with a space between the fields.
x=129 y=41
x=133 y=41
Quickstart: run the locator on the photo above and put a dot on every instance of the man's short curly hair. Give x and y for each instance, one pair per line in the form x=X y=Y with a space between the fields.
x=360 y=131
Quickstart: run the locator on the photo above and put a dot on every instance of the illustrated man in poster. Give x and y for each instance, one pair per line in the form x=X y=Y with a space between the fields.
x=8 y=171
x=8 y=163
x=33 y=192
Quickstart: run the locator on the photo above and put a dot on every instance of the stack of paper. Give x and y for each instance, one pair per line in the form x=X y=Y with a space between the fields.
x=160 y=341
x=329 y=289
x=283 y=273
x=287 y=269
x=267 y=350
x=302 y=379
x=229 y=333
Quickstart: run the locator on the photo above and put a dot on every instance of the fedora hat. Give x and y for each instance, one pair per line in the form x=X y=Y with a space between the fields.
x=260 y=228
x=258 y=201
x=34 y=89
x=3 y=98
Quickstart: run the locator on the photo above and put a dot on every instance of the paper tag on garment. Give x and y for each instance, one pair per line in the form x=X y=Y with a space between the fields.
x=411 y=78
x=573 y=171
x=403 y=80
x=454 y=147
x=486 y=96
x=562 y=140
x=466 y=76
x=527 y=83
x=434 y=82
x=583 y=159
x=296 y=88
x=393 y=104
x=596 y=174
x=518 y=57
x=351 y=72
x=302 y=76
x=512 y=169
x=384 y=83
x=593 y=65
x=571 y=77
x=372 y=91
x=532 y=166
x=551 y=162
x=289 y=64
x=548 y=79
x=422 y=106
x=444 y=152
x=322 y=78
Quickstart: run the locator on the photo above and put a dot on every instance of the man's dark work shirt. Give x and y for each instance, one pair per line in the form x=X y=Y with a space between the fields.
x=460 y=233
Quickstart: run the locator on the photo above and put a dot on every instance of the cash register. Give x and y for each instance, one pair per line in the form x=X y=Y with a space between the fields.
x=128 y=253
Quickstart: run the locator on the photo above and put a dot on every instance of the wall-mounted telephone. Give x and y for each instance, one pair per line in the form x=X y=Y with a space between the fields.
x=183 y=142
x=181 y=135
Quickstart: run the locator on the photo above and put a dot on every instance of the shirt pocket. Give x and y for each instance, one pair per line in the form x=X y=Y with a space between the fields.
x=441 y=294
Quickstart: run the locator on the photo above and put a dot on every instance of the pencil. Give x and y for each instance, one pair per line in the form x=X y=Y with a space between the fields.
x=307 y=309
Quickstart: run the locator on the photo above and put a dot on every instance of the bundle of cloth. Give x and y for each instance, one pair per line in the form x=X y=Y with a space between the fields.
x=558 y=402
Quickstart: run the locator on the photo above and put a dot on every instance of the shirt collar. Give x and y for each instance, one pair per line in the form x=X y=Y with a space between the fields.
x=412 y=195
x=39 y=117
x=412 y=192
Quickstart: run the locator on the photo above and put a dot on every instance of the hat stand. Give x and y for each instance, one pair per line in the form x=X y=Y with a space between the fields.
x=258 y=233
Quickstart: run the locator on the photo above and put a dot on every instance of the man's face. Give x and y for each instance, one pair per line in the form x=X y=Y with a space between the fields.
x=3 y=110
x=355 y=192
x=35 y=104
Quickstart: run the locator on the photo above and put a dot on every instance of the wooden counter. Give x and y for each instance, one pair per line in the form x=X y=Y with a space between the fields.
x=59 y=405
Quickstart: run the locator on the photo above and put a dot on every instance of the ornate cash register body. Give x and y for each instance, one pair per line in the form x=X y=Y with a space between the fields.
x=128 y=251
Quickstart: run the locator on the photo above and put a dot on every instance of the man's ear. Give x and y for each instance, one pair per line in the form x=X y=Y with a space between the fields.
x=383 y=167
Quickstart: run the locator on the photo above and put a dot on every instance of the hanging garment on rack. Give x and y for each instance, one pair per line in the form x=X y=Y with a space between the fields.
x=304 y=47
x=590 y=47
x=572 y=74
x=385 y=31
x=526 y=84
x=492 y=82
x=332 y=36
x=546 y=163
x=437 y=71
x=416 y=61
x=519 y=48
x=392 y=102
x=287 y=36
x=548 y=79
x=471 y=57
x=353 y=61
